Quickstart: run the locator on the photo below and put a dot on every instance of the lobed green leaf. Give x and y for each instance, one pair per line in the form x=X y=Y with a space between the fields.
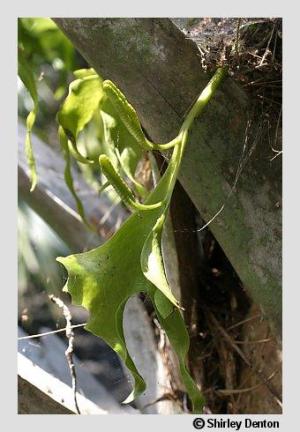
x=103 y=279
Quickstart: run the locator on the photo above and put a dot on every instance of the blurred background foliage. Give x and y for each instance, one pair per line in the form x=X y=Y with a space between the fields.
x=39 y=273
x=55 y=64
x=52 y=60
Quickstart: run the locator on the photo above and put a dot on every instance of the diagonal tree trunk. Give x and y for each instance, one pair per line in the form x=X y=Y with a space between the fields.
x=160 y=72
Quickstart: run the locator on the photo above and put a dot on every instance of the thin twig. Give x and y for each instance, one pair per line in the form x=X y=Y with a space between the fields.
x=69 y=351
x=259 y=82
x=50 y=332
x=238 y=41
x=167 y=396
x=246 y=342
x=244 y=321
x=277 y=152
x=245 y=390
x=277 y=126
x=267 y=48
x=275 y=46
x=268 y=99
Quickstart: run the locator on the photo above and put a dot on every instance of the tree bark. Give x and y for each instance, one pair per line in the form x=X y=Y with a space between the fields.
x=41 y=393
x=160 y=72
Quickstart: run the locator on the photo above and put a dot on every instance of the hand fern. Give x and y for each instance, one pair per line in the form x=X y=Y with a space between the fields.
x=103 y=279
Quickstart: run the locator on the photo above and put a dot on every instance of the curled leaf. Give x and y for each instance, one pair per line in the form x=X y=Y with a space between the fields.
x=120 y=146
x=68 y=176
x=27 y=77
x=78 y=109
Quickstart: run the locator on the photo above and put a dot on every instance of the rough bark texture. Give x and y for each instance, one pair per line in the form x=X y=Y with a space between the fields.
x=160 y=72
x=261 y=349
x=33 y=401
x=41 y=393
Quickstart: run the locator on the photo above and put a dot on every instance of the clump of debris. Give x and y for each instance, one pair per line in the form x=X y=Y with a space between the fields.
x=251 y=47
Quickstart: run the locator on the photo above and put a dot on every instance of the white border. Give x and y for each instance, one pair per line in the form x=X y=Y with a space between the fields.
x=8 y=140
